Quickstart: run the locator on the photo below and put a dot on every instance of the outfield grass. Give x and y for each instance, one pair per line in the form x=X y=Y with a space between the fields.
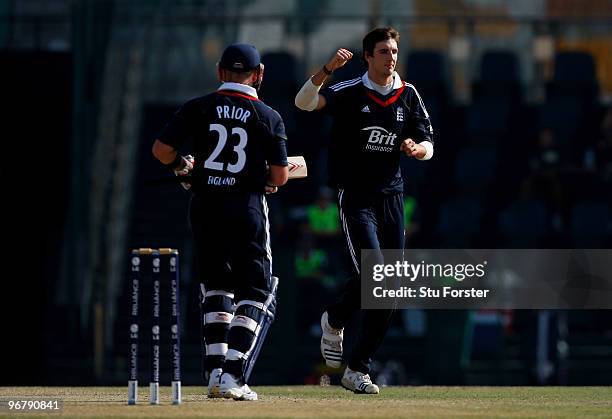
x=324 y=402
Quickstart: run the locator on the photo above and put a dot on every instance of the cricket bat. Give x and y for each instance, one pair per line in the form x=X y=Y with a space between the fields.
x=297 y=167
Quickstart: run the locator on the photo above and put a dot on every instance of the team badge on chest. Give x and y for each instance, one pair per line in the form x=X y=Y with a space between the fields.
x=400 y=114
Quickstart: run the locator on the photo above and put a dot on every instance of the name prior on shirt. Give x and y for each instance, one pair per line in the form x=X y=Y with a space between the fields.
x=232 y=112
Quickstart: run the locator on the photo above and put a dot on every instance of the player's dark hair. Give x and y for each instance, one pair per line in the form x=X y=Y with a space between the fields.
x=375 y=36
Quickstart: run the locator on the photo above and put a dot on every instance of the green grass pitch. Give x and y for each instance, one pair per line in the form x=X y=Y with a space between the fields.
x=332 y=401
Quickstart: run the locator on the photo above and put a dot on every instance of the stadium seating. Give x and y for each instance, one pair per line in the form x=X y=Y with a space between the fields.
x=572 y=101
x=567 y=119
x=475 y=168
x=589 y=224
x=427 y=71
x=459 y=221
x=574 y=76
x=499 y=77
x=305 y=130
x=488 y=120
x=497 y=99
x=280 y=84
x=524 y=223
x=414 y=174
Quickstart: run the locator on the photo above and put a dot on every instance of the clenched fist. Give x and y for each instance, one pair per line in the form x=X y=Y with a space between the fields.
x=185 y=166
x=338 y=60
x=413 y=149
x=184 y=169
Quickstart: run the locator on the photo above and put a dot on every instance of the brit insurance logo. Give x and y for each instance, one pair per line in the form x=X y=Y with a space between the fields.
x=380 y=139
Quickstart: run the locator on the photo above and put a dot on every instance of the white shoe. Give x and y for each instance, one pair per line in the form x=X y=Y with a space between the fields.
x=214 y=380
x=231 y=389
x=331 y=343
x=358 y=382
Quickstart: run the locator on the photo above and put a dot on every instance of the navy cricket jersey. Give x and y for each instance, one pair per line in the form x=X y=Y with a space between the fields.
x=233 y=136
x=367 y=131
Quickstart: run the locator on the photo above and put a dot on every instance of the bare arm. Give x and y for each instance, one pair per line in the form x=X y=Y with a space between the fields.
x=308 y=98
x=169 y=157
x=163 y=152
x=420 y=151
x=277 y=175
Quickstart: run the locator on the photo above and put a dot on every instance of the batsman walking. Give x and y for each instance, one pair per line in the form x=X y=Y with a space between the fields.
x=235 y=138
x=375 y=117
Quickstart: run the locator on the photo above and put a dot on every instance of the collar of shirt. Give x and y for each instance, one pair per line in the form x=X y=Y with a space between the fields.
x=397 y=83
x=238 y=87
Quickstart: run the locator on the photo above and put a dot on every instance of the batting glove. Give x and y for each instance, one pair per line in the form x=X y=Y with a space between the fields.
x=184 y=169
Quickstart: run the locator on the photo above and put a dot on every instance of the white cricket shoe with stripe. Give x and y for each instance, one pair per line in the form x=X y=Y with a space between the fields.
x=358 y=382
x=331 y=343
x=231 y=389
x=214 y=382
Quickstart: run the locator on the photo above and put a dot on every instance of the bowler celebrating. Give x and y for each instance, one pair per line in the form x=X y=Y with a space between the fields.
x=375 y=117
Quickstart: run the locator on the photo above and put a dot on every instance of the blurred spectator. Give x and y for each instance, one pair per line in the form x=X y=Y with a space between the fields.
x=545 y=335
x=312 y=263
x=547 y=154
x=316 y=278
x=322 y=215
x=547 y=161
x=411 y=224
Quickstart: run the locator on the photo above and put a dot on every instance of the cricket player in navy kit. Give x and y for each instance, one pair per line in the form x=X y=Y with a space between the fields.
x=375 y=118
x=239 y=145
